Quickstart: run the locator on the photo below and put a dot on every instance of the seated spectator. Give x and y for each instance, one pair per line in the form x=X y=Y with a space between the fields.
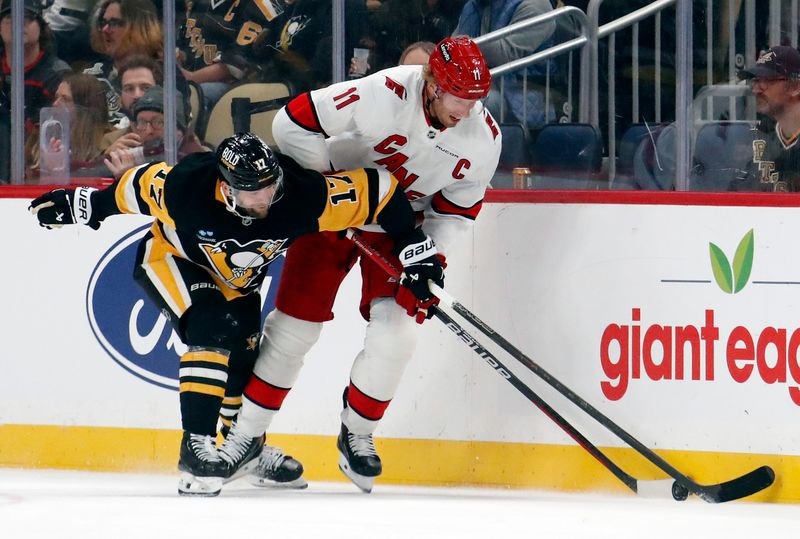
x=122 y=28
x=136 y=74
x=215 y=43
x=417 y=53
x=296 y=46
x=148 y=126
x=43 y=70
x=483 y=16
x=82 y=95
x=775 y=80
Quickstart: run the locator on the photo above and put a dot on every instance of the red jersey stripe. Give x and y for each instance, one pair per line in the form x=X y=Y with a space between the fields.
x=364 y=405
x=302 y=112
x=443 y=206
x=265 y=394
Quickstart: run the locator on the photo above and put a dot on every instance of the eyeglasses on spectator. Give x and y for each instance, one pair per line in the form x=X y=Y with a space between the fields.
x=141 y=125
x=112 y=23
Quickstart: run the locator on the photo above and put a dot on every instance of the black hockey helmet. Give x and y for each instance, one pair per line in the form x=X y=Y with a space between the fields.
x=246 y=162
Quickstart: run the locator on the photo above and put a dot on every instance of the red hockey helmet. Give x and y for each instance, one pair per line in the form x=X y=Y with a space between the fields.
x=459 y=68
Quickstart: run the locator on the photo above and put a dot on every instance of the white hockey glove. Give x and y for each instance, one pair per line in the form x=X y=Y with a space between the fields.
x=65 y=207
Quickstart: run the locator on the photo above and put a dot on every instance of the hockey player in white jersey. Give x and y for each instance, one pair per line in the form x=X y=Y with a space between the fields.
x=427 y=126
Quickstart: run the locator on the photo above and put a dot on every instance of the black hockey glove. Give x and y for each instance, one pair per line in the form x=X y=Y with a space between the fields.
x=420 y=265
x=65 y=207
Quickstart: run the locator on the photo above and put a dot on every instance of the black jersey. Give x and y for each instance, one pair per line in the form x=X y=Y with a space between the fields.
x=223 y=31
x=776 y=160
x=193 y=222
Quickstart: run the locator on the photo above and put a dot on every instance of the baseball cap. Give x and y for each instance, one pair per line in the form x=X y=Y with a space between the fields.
x=153 y=99
x=31 y=6
x=782 y=61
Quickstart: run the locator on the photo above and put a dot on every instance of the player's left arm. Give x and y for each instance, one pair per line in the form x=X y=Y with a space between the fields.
x=368 y=196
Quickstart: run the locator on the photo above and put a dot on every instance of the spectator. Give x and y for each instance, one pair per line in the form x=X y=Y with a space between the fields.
x=43 y=72
x=120 y=29
x=82 y=95
x=136 y=74
x=775 y=80
x=43 y=69
x=417 y=53
x=215 y=43
x=483 y=16
x=148 y=125
x=296 y=46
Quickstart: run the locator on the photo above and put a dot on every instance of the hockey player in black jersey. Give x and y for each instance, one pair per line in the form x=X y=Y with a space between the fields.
x=219 y=221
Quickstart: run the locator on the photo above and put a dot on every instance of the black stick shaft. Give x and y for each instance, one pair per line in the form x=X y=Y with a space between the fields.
x=596 y=414
x=548 y=410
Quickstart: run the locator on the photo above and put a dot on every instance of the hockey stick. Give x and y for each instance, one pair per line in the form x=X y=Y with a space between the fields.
x=501 y=369
x=736 y=488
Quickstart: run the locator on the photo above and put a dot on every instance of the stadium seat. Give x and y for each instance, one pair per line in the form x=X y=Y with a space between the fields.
x=514 y=153
x=636 y=144
x=722 y=156
x=633 y=136
x=197 y=123
x=567 y=156
x=654 y=161
x=220 y=123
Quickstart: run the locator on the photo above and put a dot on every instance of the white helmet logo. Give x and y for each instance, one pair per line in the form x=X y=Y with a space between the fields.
x=230 y=156
x=476 y=73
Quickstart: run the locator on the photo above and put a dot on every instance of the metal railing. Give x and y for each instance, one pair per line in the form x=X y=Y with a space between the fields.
x=609 y=31
x=584 y=42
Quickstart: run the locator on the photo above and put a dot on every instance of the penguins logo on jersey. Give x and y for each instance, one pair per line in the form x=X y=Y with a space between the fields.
x=292 y=27
x=134 y=333
x=241 y=266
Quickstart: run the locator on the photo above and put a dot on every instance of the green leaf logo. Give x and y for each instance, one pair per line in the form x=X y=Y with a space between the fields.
x=732 y=279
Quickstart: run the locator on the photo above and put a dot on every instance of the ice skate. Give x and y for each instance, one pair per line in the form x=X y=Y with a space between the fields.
x=202 y=470
x=358 y=459
x=277 y=470
x=240 y=452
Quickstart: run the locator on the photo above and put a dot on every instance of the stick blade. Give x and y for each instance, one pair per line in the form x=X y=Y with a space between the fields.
x=740 y=487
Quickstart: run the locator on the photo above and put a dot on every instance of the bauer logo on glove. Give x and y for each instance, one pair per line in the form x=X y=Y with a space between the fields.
x=421 y=265
x=65 y=207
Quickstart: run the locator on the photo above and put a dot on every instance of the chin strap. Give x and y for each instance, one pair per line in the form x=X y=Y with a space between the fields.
x=230 y=205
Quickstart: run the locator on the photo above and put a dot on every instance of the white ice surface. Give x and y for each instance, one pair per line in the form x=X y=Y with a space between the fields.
x=62 y=504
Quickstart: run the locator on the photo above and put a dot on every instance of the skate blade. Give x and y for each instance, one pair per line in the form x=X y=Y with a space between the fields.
x=190 y=485
x=263 y=482
x=245 y=469
x=361 y=481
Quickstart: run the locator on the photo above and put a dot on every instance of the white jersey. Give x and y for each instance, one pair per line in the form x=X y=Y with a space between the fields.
x=380 y=121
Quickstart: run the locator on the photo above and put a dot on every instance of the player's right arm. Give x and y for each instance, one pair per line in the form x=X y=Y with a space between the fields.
x=301 y=127
x=139 y=190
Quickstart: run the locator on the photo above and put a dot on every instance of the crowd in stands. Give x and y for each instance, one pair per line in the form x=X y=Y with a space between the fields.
x=221 y=44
